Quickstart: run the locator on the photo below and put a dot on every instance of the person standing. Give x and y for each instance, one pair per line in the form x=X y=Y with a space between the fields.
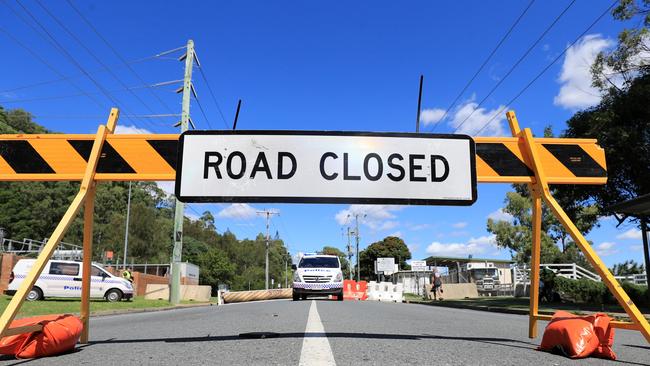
x=126 y=274
x=437 y=285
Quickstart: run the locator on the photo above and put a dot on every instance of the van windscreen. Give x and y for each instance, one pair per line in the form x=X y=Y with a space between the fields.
x=319 y=262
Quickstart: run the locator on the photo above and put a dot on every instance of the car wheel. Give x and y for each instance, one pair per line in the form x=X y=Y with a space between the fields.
x=114 y=295
x=303 y=296
x=339 y=296
x=35 y=294
x=296 y=297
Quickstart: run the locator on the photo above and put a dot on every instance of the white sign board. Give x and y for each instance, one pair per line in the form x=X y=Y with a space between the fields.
x=326 y=167
x=418 y=265
x=386 y=265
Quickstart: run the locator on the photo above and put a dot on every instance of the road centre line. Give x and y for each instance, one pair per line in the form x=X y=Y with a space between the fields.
x=316 y=348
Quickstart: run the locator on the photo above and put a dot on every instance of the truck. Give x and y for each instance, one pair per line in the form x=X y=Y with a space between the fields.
x=485 y=275
x=317 y=275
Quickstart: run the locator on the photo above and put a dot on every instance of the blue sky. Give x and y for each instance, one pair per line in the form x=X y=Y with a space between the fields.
x=320 y=66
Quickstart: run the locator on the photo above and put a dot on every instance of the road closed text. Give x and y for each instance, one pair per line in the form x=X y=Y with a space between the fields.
x=396 y=167
x=325 y=167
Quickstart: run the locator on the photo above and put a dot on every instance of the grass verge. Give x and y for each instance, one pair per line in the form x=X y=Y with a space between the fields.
x=520 y=305
x=72 y=306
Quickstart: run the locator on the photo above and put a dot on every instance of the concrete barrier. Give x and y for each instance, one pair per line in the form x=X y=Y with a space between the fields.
x=455 y=291
x=243 y=296
x=188 y=292
x=385 y=291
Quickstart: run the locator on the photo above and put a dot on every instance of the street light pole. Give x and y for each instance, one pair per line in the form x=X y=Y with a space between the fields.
x=126 y=230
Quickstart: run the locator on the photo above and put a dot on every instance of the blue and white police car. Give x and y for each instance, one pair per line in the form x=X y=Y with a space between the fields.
x=63 y=279
x=317 y=275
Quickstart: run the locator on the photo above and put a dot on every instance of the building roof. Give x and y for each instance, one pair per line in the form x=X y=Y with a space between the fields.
x=446 y=261
x=637 y=207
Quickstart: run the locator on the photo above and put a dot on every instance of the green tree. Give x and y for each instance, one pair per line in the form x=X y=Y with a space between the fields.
x=390 y=246
x=621 y=123
x=629 y=59
x=627 y=268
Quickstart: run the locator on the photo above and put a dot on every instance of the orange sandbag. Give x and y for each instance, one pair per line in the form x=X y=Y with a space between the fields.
x=60 y=334
x=579 y=336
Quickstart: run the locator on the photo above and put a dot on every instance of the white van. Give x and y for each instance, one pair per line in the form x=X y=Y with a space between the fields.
x=63 y=279
x=317 y=275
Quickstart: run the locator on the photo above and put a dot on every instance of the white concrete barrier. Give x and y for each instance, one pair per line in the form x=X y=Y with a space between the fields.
x=385 y=291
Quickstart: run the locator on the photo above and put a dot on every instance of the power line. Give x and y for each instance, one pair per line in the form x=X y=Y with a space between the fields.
x=214 y=99
x=94 y=56
x=202 y=111
x=62 y=49
x=10 y=101
x=503 y=39
x=516 y=64
x=543 y=71
x=53 y=81
x=110 y=46
x=49 y=65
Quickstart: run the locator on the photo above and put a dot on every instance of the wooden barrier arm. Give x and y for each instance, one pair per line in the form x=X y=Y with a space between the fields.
x=612 y=284
x=16 y=302
x=89 y=211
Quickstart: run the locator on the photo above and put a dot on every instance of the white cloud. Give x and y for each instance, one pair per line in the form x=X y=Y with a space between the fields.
x=636 y=248
x=430 y=116
x=634 y=234
x=130 y=130
x=376 y=217
x=413 y=247
x=500 y=215
x=397 y=234
x=459 y=225
x=419 y=227
x=473 y=246
x=576 y=91
x=606 y=248
x=387 y=225
x=470 y=120
x=239 y=211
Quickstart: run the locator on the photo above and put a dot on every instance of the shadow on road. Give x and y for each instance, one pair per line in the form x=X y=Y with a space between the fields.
x=262 y=335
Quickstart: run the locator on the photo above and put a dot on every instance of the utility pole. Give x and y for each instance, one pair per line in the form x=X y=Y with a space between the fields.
x=175 y=288
x=268 y=221
x=356 y=235
x=350 y=267
x=126 y=230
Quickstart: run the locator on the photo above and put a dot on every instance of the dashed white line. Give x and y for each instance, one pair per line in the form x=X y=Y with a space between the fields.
x=316 y=348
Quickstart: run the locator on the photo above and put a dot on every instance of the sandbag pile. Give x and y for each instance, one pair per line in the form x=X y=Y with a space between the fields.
x=60 y=334
x=579 y=336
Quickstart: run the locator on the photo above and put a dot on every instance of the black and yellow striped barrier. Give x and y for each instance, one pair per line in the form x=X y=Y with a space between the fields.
x=153 y=157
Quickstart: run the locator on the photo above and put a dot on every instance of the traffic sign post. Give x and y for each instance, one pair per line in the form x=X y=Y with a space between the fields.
x=419 y=266
x=318 y=167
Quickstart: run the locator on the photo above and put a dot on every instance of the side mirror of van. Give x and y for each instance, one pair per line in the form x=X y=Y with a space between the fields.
x=294 y=267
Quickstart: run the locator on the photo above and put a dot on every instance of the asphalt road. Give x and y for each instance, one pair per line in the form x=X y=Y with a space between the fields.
x=322 y=332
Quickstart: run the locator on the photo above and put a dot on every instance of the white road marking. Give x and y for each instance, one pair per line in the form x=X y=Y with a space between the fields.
x=315 y=346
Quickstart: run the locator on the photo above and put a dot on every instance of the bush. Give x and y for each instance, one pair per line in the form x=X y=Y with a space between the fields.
x=591 y=292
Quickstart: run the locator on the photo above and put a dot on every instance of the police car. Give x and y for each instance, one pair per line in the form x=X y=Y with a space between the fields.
x=317 y=274
x=63 y=279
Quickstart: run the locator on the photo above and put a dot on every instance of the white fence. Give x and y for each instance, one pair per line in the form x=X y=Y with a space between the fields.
x=574 y=272
x=31 y=247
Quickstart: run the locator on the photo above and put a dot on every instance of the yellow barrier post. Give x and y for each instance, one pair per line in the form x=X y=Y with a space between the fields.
x=612 y=284
x=535 y=253
x=89 y=210
x=16 y=302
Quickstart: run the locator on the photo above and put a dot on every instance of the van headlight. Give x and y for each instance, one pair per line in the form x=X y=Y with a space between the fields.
x=296 y=277
x=339 y=277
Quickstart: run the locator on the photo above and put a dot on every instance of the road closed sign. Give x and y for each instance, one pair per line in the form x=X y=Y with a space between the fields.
x=326 y=167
